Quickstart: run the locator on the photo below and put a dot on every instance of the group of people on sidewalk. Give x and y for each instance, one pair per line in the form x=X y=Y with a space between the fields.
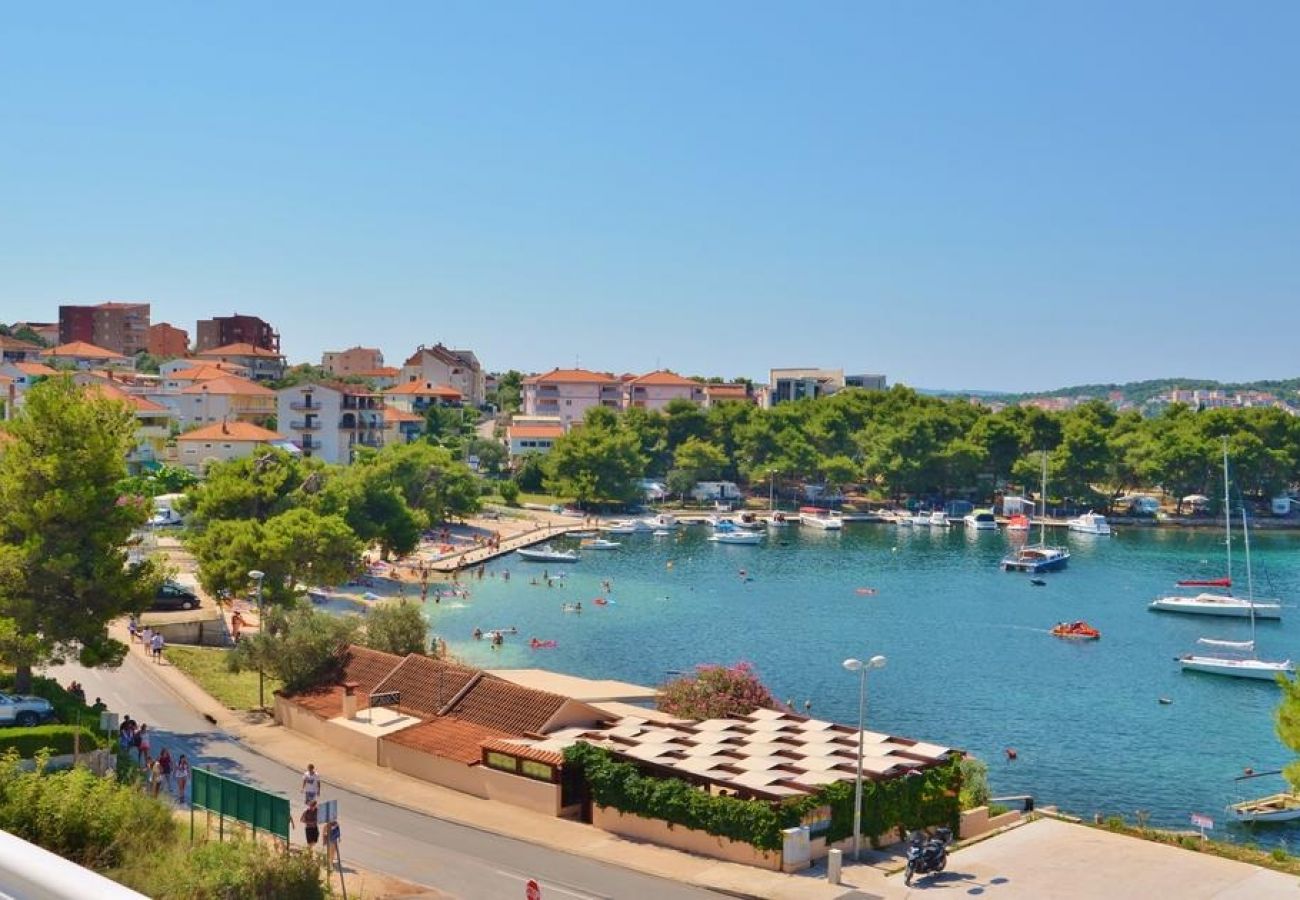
x=161 y=770
x=153 y=641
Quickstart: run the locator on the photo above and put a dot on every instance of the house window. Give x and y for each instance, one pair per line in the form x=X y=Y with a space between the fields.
x=501 y=761
x=540 y=771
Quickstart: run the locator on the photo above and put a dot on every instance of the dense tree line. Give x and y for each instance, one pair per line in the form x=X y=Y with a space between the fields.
x=302 y=521
x=898 y=443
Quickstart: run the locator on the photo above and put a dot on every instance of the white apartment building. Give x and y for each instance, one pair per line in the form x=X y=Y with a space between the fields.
x=459 y=369
x=797 y=383
x=330 y=420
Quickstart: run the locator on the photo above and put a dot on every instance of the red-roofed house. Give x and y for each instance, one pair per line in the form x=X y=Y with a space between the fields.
x=400 y=426
x=418 y=396
x=87 y=356
x=153 y=421
x=352 y=361
x=222 y=442
x=13 y=349
x=720 y=393
x=655 y=390
x=262 y=364
x=458 y=369
x=224 y=399
x=567 y=394
x=527 y=437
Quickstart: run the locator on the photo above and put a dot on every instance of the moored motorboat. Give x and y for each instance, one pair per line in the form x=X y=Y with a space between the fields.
x=1018 y=523
x=1078 y=631
x=1089 y=523
x=661 y=522
x=981 y=520
x=778 y=520
x=938 y=519
x=600 y=544
x=817 y=517
x=621 y=527
x=547 y=553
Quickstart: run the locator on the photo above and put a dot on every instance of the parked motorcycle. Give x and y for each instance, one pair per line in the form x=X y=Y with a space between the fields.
x=926 y=854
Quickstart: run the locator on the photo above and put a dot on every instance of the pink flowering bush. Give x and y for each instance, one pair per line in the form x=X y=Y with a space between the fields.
x=716 y=692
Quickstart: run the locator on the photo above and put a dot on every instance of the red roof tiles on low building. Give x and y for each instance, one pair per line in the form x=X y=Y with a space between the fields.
x=572 y=376
x=448 y=737
x=513 y=709
x=427 y=685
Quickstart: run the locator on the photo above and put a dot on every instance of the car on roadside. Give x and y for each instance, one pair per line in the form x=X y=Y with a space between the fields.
x=24 y=710
x=172 y=597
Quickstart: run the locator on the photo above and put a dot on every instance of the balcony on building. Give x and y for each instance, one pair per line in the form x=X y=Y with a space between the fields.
x=305 y=424
x=304 y=404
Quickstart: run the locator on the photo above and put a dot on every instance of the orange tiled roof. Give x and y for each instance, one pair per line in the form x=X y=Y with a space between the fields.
x=664 y=378
x=535 y=431
x=34 y=369
x=135 y=401
x=369 y=667
x=497 y=703
x=427 y=684
x=726 y=390
x=242 y=349
x=524 y=751
x=82 y=350
x=425 y=389
x=231 y=431
x=394 y=416
x=206 y=371
x=12 y=343
x=381 y=372
x=230 y=385
x=448 y=737
x=572 y=376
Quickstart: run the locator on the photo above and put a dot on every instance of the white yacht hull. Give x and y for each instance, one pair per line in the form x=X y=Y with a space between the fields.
x=1214 y=605
x=826 y=524
x=1236 y=668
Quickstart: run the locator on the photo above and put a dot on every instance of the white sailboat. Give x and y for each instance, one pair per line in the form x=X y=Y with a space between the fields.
x=1207 y=604
x=1246 y=664
x=1038 y=557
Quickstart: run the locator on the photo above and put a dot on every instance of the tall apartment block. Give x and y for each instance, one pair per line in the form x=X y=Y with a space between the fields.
x=221 y=331
x=120 y=327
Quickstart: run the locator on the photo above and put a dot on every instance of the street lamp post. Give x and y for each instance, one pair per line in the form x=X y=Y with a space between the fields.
x=857 y=665
x=261 y=675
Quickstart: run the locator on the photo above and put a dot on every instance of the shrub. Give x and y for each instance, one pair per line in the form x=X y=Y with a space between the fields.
x=716 y=692
x=217 y=871
x=509 y=492
x=54 y=739
x=997 y=809
x=90 y=820
x=975 y=783
x=1279 y=854
x=1115 y=823
x=396 y=627
x=300 y=646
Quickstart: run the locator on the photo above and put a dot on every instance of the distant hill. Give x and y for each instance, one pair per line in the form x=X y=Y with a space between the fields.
x=1138 y=391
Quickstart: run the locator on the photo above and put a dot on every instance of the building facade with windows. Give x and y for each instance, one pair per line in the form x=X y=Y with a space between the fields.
x=120 y=327
x=330 y=421
x=459 y=369
x=567 y=394
x=222 y=331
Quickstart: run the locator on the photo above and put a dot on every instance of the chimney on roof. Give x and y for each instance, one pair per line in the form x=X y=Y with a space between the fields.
x=350 y=699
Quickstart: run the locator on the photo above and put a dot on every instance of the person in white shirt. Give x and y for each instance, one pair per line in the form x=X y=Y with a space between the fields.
x=310 y=784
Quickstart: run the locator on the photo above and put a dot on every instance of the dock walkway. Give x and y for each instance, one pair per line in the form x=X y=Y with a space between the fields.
x=474 y=556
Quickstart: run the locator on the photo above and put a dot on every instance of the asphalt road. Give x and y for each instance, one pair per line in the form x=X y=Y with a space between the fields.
x=455 y=859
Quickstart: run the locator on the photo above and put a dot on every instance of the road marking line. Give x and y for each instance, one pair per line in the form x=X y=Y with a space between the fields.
x=552 y=886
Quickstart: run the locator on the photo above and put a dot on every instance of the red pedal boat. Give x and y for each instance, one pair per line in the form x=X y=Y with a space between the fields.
x=1078 y=631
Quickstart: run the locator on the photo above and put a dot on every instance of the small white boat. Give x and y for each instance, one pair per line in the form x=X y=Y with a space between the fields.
x=1261 y=669
x=751 y=522
x=1218 y=605
x=981 y=520
x=920 y=520
x=620 y=528
x=661 y=532
x=737 y=537
x=1277 y=808
x=816 y=517
x=661 y=522
x=547 y=553
x=778 y=520
x=938 y=519
x=1089 y=523
x=903 y=519
x=600 y=544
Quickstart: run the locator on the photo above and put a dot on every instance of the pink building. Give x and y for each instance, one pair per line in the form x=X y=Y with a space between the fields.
x=567 y=394
x=656 y=390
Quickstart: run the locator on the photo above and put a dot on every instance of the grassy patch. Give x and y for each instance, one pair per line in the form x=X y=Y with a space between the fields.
x=543 y=499
x=58 y=739
x=1278 y=860
x=207 y=668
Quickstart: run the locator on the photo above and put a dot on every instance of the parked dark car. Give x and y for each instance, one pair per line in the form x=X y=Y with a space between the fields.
x=172 y=596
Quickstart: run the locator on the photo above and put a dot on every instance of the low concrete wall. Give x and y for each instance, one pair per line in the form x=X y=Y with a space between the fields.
x=977 y=821
x=303 y=721
x=98 y=761
x=435 y=769
x=209 y=633
x=539 y=796
x=657 y=831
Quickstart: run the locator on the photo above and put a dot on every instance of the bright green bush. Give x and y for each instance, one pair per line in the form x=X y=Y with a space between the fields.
x=57 y=739
x=81 y=816
x=974 y=783
x=509 y=492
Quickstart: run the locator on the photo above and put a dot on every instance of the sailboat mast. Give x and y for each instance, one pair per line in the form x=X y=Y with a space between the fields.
x=1250 y=579
x=1042 y=523
x=1227 y=514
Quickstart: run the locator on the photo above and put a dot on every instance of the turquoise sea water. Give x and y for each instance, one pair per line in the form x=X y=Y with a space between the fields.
x=971 y=663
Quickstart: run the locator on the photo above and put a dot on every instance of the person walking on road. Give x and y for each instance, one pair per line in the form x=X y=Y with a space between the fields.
x=141 y=743
x=182 y=778
x=311 y=825
x=310 y=785
x=165 y=767
x=156 y=644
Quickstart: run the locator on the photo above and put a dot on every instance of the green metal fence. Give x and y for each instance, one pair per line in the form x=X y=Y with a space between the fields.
x=245 y=803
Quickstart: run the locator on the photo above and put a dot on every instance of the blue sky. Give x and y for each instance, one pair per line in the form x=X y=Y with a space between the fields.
x=1002 y=195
